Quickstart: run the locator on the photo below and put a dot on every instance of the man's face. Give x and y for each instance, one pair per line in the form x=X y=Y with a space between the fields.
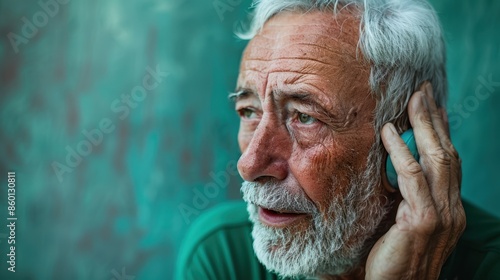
x=305 y=134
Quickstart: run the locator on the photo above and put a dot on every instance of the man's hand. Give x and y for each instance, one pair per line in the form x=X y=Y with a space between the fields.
x=430 y=219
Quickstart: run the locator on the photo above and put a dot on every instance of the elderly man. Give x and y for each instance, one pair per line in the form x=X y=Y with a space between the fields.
x=324 y=91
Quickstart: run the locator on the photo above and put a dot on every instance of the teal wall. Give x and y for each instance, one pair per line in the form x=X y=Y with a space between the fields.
x=121 y=208
x=472 y=34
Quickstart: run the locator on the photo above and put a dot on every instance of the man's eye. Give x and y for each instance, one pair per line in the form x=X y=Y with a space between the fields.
x=306 y=119
x=246 y=113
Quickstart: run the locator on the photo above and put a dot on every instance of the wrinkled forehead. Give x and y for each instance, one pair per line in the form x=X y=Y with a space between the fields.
x=318 y=48
x=316 y=33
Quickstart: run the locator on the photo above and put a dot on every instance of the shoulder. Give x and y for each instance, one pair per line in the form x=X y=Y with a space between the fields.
x=218 y=245
x=477 y=255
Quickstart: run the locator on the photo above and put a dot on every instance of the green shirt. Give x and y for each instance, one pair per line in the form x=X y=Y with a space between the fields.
x=218 y=246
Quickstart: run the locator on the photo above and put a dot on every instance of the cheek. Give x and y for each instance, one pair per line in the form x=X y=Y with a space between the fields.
x=316 y=169
x=324 y=170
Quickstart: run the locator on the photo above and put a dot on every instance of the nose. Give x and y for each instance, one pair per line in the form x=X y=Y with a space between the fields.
x=267 y=153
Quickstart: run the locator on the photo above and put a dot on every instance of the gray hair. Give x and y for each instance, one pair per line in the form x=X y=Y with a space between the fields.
x=401 y=39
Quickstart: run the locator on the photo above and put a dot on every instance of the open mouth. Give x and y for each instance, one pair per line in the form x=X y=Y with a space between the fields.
x=277 y=218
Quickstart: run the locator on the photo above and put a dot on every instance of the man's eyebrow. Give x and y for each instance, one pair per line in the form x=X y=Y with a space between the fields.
x=307 y=99
x=302 y=97
x=240 y=93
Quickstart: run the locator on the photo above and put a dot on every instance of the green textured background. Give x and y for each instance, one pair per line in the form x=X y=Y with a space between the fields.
x=116 y=215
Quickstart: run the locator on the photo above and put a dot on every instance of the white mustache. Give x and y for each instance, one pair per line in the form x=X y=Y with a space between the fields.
x=278 y=198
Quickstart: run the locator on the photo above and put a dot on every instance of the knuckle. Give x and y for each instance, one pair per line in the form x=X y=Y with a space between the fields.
x=411 y=168
x=446 y=219
x=439 y=155
x=429 y=221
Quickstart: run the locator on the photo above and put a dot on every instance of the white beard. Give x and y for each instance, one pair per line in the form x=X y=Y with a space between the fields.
x=330 y=246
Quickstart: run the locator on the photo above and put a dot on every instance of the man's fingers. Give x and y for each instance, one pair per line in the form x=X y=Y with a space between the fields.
x=422 y=118
x=435 y=160
x=411 y=179
x=438 y=121
x=436 y=115
x=440 y=124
